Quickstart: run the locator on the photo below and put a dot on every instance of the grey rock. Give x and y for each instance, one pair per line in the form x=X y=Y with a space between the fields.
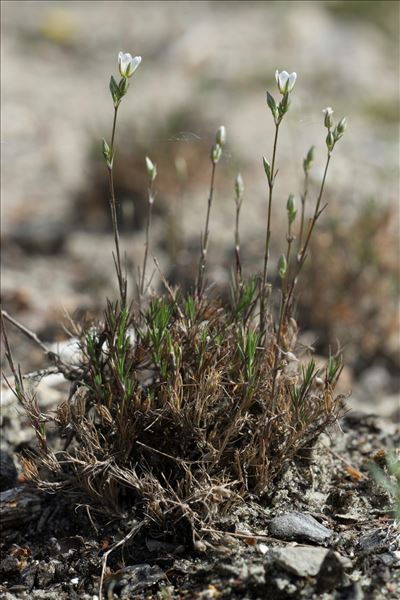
x=52 y=595
x=303 y=561
x=298 y=526
x=375 y=380
x=41 y=236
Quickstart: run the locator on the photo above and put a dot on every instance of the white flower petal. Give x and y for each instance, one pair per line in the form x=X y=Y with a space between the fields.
x=135 y=63
x=292 y=81
x=283 y=78
x=123 y=62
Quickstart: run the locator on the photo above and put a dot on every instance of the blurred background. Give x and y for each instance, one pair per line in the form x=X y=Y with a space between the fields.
x=204 y=64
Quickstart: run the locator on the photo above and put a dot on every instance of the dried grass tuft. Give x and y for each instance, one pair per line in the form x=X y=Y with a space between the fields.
x=172 y=414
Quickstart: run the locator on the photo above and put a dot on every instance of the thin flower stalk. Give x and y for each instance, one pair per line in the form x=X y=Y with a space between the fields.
x=237 y=249
x=122 y=280
x=307 y=162
x=205 y=236
x=152 y=172
x=216 y=152
x=285 y=82
x=271 y=181
x=239 y=188
x=127 y=66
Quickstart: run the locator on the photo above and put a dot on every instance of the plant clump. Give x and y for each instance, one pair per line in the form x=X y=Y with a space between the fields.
x=173 y=412
x=182 y=406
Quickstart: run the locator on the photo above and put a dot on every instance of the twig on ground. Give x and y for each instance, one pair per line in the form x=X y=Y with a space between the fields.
x=125 y=539
x=62 y=367
x=30 y=334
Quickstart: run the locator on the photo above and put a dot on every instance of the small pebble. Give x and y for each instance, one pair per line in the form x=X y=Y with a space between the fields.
x=298 y=526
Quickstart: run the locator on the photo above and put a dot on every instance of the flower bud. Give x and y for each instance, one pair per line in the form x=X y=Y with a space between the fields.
x=239 y=187
x=340 y=129
x=328 y=112
x=291 y=209
x=282 y=266
x=330 y=141
x=341 y=126
x=220 y=138
x=216 y=152
x=309 y=159
x=285 y=81
x=267 y=168
x=108 y=155
x=151 y=169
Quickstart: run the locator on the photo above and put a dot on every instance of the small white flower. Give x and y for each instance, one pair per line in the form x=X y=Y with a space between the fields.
x=128 y=64
x=285 y=81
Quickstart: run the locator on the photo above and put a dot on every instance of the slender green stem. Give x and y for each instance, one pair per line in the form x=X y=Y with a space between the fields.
x=114 y=127
x=122 y=283
x=237 y=249
x=303 y=209
x=147 y=243
x=288 y=254
x=205 y=236
x=271 y=182
x=316 y=211
x=303 y=252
